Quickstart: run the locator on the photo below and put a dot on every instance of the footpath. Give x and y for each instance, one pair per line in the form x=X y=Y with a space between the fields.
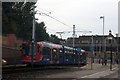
x=97 y=71
x=100 y=71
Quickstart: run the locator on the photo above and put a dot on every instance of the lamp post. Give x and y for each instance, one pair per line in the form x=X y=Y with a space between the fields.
x=73 y=36
x=105 y=52
x=92 y=52
x=103 y=55
x=117 y=48
x=110 y=40
x=99 y=50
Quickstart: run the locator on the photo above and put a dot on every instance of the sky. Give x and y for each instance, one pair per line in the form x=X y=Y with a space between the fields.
x=84 y=14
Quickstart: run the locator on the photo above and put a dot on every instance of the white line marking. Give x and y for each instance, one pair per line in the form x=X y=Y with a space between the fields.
x=99 y=74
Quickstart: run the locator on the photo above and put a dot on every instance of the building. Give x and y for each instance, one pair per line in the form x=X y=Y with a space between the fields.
x=101 y=44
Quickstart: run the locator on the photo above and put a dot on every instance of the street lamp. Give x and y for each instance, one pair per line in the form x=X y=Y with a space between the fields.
x=103 y=58
x=110 y=41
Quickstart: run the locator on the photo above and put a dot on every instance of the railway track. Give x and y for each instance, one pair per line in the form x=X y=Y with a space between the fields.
x=24 y=68
x=20 y=73
x=13 y=69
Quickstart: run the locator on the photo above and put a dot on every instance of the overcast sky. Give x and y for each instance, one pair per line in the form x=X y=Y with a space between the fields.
x=84 y=14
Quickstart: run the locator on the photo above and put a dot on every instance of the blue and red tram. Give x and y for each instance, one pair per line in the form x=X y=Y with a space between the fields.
x=54 y=54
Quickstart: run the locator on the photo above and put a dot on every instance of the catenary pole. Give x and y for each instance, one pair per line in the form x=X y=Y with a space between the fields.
x=33 y=37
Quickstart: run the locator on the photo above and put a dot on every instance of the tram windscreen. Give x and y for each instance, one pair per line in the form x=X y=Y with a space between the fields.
x=25 y=49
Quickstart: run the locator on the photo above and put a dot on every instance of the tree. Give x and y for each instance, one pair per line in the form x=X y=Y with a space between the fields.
x=41 y=34
x=16 y=19
x=54 y=39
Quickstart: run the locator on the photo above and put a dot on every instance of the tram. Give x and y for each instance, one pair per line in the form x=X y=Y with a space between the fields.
x=54 y=54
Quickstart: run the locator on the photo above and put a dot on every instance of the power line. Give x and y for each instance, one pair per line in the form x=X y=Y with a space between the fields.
x=60 y=21
x=54 y=18
x=44 y=10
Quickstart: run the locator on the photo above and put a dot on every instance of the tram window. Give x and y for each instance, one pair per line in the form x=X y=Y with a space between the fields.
x=67 y=55
x=60 y=56
x=46 y=51
x=70 y=52
x=27 y=51
x=65 y=51
x=60 y=51
x=54 y=52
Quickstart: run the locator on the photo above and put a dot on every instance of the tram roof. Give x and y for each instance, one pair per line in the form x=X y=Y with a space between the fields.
x=68 y=47
x=47 y=44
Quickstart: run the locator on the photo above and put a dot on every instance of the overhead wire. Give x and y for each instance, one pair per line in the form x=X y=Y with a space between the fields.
x=55 y=19
x=85 y=31
x=43 y=9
